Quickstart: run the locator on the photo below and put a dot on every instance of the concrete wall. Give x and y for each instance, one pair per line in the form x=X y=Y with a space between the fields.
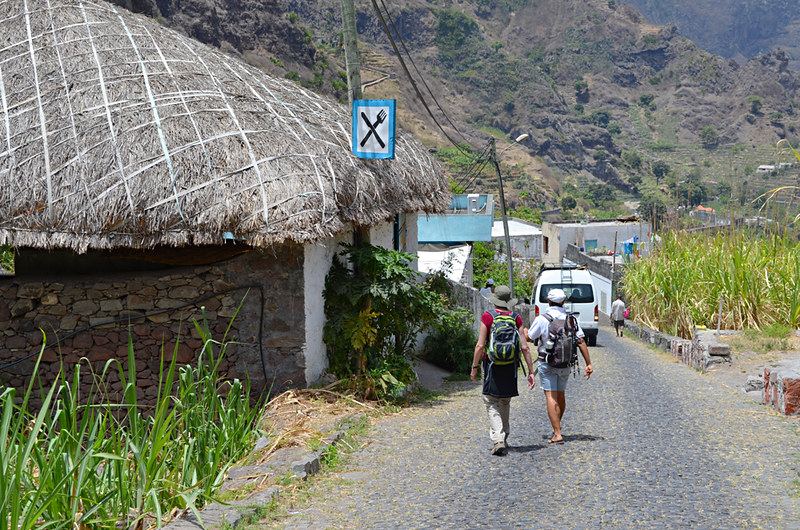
x=92 y=315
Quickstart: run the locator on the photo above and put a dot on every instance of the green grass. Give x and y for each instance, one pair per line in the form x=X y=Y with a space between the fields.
x=86 y=460
x=681 y=284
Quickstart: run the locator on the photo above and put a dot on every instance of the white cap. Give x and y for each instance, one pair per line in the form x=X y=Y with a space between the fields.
x=490 y=282
x=556 y=296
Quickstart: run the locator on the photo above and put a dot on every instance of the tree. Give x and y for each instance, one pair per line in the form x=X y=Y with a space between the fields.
x=635 y=180
x=653 y=207
x=568 y=202
x=601 y=193
x=600 y=118
x=755 y=103
x=632 y=158
x=647 y=101
x=709 y=136
x=660 y=170
x=724 y=191
x=580 y=87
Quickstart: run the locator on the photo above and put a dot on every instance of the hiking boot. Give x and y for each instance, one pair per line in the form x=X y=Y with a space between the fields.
x=499 y=449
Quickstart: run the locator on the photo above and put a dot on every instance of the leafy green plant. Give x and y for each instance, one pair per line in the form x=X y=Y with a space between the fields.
x=374 y=313
x=7 y=259
x=451 y=343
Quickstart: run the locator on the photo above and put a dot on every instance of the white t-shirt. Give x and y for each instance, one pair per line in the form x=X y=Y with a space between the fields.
x=618 y=310
x=540 y=325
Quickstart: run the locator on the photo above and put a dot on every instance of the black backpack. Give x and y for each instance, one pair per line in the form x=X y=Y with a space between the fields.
x=561 y=348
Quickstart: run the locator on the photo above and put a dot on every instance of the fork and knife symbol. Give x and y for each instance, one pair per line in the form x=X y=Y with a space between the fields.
x=372 y=127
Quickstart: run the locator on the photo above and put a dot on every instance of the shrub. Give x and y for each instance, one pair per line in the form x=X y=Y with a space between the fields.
x=452 y=343
x=374 y=312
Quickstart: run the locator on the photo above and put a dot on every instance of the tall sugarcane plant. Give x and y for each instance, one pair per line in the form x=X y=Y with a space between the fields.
x=84 y=460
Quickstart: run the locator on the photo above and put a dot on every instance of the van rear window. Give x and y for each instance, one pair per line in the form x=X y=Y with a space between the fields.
x=579 y=293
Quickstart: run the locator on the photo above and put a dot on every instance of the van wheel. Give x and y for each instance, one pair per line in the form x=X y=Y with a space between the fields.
x=591 y=340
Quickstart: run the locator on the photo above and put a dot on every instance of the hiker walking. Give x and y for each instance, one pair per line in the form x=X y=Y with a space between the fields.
x=502 y=329
x=554 y=378
x=489 y=289
x=618 y=315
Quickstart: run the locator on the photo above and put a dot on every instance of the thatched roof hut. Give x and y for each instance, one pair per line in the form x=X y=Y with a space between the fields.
x=116 y=132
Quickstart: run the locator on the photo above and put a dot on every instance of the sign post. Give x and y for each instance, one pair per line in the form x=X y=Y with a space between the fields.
x=374 y=128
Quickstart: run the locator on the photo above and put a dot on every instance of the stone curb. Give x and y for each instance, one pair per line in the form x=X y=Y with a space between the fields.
x=293 y=461
x=779 y=386
x=702 y=352
x=782 y=389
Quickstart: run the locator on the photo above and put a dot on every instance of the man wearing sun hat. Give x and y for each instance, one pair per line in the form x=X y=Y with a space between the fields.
x=499 y=380
x=554 y=380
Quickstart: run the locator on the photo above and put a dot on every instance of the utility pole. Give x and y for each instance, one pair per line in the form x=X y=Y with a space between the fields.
x=493 y=154
x=351 y=50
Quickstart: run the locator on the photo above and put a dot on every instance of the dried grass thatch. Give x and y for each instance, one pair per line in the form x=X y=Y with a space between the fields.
x=116 y=132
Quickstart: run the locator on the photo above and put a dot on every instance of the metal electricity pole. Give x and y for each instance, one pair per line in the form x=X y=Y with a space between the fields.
x=351 y=50
x=505 y=218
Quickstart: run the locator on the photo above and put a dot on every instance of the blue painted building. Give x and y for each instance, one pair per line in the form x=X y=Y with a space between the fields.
x=468 y=219
x=445 y=239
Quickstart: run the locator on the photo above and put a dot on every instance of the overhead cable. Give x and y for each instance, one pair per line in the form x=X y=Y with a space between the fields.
x=414 y=83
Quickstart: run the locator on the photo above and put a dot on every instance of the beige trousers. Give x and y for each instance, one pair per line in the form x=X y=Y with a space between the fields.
x=498 y=410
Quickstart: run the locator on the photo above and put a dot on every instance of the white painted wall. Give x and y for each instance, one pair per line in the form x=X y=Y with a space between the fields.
x=602 y=288
x=316 y=264
x=382 y=235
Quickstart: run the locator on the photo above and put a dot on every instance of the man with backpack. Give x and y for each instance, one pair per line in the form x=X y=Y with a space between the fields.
x=499 y=359
x=559 y=339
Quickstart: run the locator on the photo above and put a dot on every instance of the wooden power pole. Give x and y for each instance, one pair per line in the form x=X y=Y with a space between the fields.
x=351 y=50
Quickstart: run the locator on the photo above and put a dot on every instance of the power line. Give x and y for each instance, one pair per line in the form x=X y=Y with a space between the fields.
x=413 y=82
x=422 y=78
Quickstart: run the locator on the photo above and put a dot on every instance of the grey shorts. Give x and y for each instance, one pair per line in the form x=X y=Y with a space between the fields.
x=553 y=378
x=619 y=324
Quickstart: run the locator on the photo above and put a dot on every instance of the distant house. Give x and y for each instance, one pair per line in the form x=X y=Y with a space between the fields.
x=446 y=238
x=589 y=236
x=765 y=169
x=149 y=180
x=526 y=238
x=706 y=215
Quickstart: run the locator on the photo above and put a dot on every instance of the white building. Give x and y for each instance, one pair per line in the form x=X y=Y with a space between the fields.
x=526 y=238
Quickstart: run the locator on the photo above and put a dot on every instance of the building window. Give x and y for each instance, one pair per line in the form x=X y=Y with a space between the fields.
x=546 y=244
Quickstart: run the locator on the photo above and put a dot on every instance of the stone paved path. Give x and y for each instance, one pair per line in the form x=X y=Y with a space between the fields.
x=649 y=444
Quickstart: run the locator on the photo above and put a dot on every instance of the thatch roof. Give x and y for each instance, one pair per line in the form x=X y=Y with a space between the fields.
x=117 y=132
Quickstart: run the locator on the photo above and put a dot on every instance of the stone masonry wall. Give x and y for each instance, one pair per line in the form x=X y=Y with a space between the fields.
x=93 y=315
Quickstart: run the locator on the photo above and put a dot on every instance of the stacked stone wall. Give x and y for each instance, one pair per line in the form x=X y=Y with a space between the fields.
x=87 y=320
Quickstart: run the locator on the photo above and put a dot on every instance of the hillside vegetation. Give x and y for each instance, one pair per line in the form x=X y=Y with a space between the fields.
x=605 y=96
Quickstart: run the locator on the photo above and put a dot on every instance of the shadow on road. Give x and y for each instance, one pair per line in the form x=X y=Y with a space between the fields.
x=526 y=448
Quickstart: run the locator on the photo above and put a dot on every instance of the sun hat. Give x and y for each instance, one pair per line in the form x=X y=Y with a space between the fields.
x=502 y=297
x=490 y=282
x=557 y=296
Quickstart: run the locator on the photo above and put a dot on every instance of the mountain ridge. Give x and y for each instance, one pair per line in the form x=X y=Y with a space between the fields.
x=589 y=80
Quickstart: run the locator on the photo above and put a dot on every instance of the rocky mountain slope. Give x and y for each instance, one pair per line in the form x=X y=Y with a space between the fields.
x=731 y=28
x=587 y=79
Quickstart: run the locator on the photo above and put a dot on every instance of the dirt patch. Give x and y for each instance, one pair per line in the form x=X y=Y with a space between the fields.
x=749 y=357
x=296 y=417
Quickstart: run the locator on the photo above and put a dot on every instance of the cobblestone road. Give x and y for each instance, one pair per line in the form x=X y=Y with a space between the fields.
x=649 y=444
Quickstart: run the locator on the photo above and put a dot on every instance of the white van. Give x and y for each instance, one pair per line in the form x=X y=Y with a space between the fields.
x=577 y=284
